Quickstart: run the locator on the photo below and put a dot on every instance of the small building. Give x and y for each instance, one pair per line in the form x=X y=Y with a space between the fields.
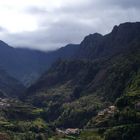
x=101 y=113
x=112 y=108
x=72 y=131
x=69 y=131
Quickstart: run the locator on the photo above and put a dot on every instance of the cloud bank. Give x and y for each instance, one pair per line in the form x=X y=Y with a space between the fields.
x=47 y=24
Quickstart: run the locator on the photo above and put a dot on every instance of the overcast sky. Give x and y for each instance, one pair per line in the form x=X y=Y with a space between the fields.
x=50 y=24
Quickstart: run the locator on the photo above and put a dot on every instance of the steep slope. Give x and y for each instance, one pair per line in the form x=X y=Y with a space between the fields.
x=96 y=46
x=123 y=120
x=9 y=87
x=73 y=91
x=27 y=65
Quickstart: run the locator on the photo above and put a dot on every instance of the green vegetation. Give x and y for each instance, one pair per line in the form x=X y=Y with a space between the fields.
x=20 y=121
x=82 y=109
x=98 y=93
x=124 y=132
x=84 y=135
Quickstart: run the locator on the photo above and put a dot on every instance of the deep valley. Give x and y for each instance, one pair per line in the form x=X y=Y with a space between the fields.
x=86 y=91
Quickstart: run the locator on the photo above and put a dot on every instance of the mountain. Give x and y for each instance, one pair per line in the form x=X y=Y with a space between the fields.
x=9 y=86
x=99 y=46
x=94 y=86
x=104 y=69
x=27 y=65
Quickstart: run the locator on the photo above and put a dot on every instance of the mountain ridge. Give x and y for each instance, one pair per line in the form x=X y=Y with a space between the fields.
x=87 y=80
x=94 y=86
x=27 y=65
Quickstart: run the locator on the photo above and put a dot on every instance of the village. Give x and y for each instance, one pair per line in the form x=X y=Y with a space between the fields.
x=76 y=131
x=110 y=111
x=68 y=131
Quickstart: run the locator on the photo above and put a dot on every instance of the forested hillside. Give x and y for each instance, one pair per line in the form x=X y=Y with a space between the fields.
x=103 y=73
x=95 y=89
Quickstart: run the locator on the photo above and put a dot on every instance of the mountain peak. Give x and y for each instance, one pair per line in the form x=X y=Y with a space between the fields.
x=129 y=24
x=3 y=44
x=96 y=45
x=94 y=38
x=127 y=28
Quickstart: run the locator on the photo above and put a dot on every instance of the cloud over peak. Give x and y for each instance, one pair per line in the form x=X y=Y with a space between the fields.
x=47 y=24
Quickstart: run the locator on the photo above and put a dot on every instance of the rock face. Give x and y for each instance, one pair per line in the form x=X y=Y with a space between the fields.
x=91 y=44
x=97 y=46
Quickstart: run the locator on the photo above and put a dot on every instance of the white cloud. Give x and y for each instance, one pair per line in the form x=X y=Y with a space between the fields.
x=48 y=24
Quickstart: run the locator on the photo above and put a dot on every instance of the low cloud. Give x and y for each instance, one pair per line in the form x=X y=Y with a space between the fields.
x=70 y=22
